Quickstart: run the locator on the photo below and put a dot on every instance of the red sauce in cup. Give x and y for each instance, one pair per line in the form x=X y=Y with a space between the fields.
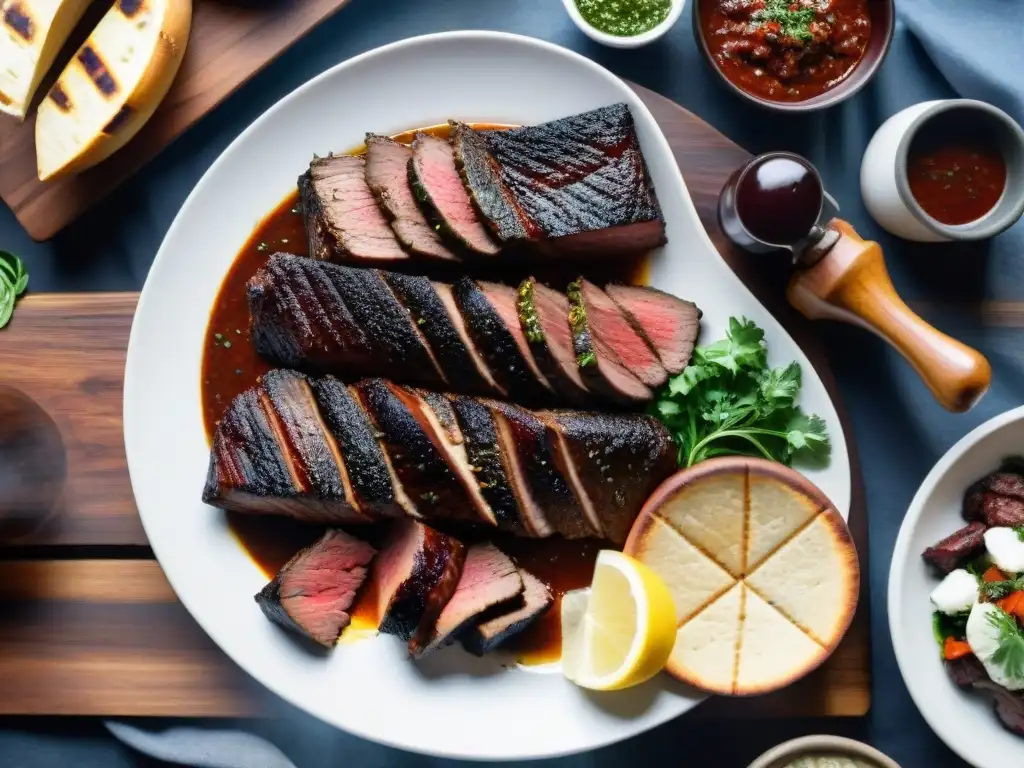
x=955 y=177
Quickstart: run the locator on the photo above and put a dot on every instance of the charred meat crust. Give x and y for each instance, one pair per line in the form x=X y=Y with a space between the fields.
x=957 y=548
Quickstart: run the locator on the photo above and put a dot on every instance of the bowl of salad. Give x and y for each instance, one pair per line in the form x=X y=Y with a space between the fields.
x=956 y=595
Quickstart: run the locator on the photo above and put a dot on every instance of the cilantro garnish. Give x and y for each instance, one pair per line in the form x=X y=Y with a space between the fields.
x=794 y=24
x=1010 y=653
x=728 y=401
x=13 y=282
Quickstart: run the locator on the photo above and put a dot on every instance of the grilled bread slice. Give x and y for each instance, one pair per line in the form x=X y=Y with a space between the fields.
x=32 y=32
x=112 y=86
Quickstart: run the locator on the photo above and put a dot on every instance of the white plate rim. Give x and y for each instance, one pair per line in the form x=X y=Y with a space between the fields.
x=840 y=456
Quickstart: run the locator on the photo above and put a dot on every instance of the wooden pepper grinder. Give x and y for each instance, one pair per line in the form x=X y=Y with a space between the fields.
x=774 y=202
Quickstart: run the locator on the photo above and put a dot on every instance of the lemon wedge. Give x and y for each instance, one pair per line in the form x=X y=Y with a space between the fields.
x=619 y=632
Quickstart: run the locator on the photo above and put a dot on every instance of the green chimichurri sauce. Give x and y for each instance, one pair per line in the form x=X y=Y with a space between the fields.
x=624 y=18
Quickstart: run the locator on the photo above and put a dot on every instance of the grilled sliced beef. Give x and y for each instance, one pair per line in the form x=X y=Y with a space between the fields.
x=490 y=464
x=600 y=367
x=404 y=452
x=301 y=430
x=608 y=322
x=474 y=506
x=497 y=342
x=957 y=548
x=974 y=501
x=428 y=478
x=313 y=592
x=549 y=491
x=503 y=299
x=613 y=462
x=489 y=635
x=365 y=462
x=1009 y=705
x=299 y=319
x=342 y=219
x=489 y=581
x=670 y=324
x=1002 y=511
x=326 y=318
x=438 y=188
x=544 y=319
x=387 y=174
x=1006 y=484
x=414 y=576
x=965 y=671
x=435 y=314
x=577 y=185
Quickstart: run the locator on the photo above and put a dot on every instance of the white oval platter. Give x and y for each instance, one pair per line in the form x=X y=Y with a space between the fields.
x=450 y=705
x=962 y=719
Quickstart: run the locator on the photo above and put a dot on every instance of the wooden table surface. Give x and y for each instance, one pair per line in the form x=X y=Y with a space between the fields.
x=90 y=625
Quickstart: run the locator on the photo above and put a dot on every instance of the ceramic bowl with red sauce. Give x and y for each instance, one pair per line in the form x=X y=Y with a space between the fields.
x=794 y=55
x=945 y=170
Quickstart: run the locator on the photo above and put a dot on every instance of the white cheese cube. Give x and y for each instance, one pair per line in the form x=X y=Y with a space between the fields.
x=957 y=593
x=1006 y=550
x=983 y=637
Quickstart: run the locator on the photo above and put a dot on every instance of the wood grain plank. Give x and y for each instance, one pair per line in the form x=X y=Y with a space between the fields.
x=67 y=351
x=230 y=42
x=74 y=643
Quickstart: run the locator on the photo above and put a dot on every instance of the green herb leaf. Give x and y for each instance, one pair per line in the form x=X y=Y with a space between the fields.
x=794 y=24
x=13 y=282
x=997 y=590
x=1010 y=654
x=1019 y=530
x=954 y=626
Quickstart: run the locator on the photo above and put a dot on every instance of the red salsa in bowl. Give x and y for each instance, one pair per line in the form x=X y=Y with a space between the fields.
x=785 y=50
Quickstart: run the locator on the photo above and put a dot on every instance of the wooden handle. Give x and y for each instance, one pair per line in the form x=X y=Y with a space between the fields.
x=851 y=284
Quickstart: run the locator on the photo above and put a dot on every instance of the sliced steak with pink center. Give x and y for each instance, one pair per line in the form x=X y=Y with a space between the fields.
x=315 y=589
x=614 y=462
x=387 y=174
x=544 y=320
x=489 y=581
x=440 y=191
x=488 y=635
x=600 y=366
x=669 y=323
x=414 y=576
x=609 y=323
x=343 y=220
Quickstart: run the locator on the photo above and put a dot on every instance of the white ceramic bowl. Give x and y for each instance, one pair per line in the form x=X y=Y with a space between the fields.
x=824 y=745
x=616 y=41
x=963 y=719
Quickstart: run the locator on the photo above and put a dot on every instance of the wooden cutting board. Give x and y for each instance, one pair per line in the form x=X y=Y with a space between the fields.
x=230 y=42
x=90 y=625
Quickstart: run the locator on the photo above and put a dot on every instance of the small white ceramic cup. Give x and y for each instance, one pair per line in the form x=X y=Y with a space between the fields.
x=885 y=186
x=616 y=41
x=819 y=746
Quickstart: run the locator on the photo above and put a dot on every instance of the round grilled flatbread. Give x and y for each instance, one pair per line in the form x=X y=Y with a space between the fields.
x=762 y=569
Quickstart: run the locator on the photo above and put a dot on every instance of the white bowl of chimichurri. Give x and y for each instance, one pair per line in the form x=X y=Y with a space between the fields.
x=624 y=23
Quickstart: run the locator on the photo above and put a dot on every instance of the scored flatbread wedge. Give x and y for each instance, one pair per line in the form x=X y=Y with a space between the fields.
x=705 y=651
x=781 y=501
x=814 y=579
x=693 y=578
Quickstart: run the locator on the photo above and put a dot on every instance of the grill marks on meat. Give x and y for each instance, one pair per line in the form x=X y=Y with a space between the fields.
x=414 y=577
x=387 y=175
x=438 y=187
x=957 y=548
x=488 y=635
x=489 y=581
x=669 y=324
x=610 y=324
x=614 y=462
x=544 y=320
x=532 y=345
x=434 y=312
x=343 y=221
x=313 y=592
x=581 y=178
x=318 y=450
x=497 y=341
x=601 y=368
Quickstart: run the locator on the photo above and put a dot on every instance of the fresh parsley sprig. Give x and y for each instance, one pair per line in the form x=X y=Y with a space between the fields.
x=728 y=401
x=1010 y=653
x=13 y=282
x=997 y=590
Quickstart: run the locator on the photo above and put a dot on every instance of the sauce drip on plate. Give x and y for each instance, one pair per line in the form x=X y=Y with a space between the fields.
x=231 y=365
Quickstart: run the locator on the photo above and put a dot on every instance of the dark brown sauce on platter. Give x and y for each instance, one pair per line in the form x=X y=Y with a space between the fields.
x=231 y=365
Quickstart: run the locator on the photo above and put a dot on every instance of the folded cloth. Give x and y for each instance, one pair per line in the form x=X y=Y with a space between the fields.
x=977 y=46
x=202 y=748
